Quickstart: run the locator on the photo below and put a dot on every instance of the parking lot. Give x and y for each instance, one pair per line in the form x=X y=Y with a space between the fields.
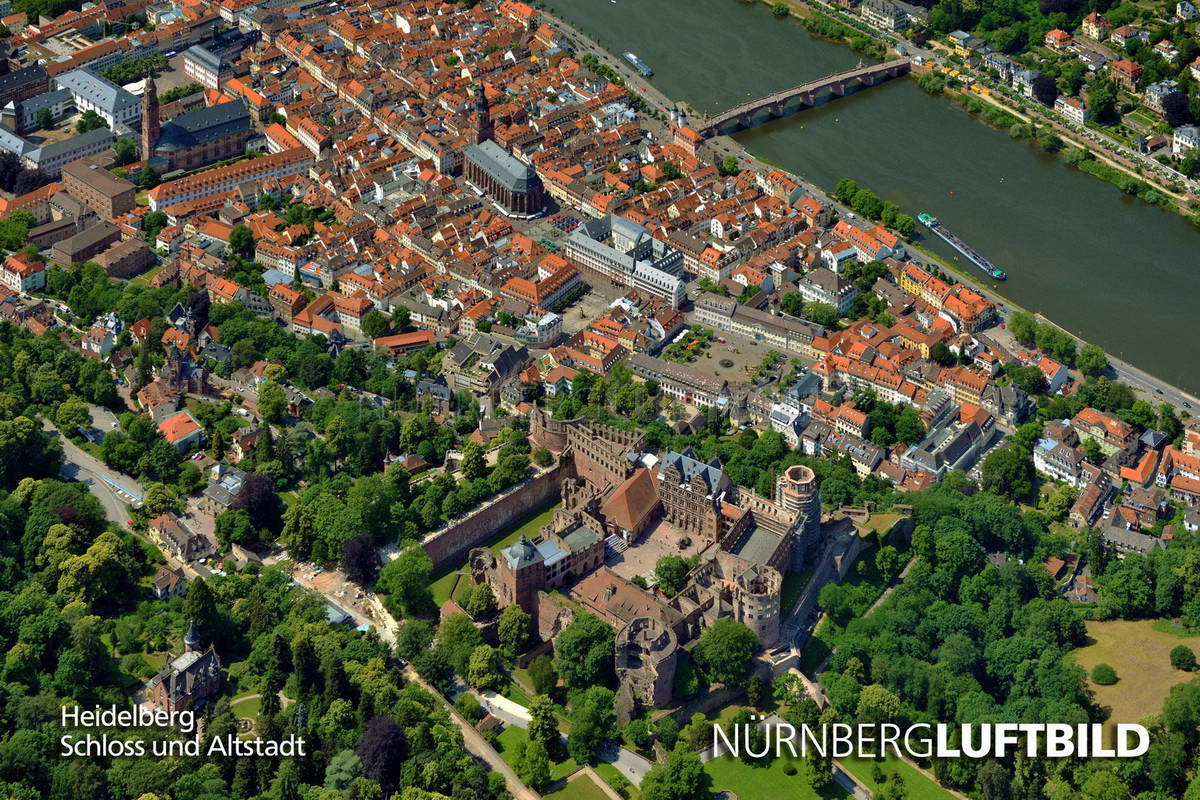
x=173 y=76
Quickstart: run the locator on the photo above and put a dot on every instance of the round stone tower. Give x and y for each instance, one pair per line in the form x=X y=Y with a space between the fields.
x=758 y=593
x=796 y=492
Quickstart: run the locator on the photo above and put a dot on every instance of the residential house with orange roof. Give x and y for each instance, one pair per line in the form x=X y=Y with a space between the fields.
x=182 y=431
x=173 y=337
x=23 y=273
x=1056 y=374
x=1057 y=39
x=1108 y=431
x=286 y=301
x=402 y=344
x=222 y=290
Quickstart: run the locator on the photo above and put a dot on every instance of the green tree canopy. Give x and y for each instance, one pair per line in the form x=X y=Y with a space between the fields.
x=725 y=650
x=583 y=652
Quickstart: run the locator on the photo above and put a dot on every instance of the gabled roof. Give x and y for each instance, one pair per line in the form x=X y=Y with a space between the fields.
x=632 y=501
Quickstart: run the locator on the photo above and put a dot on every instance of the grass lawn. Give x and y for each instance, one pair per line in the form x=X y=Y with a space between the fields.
x=582 y=787
x=724 y=716
x=917 y=785
x=1143 y=117
x=1140 y=653
x=513 y=691
x=248 y=707
x=882 y=523
x=452 y=584
x=522 y=676
x=528 y=528
x=766 y=780
x=613 y=777
x=91 y=449
x=144 y=278
x=1171 y=629
x=443 y=588
x=509 y=742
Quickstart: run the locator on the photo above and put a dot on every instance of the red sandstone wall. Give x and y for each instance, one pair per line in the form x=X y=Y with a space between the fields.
x=451 y=544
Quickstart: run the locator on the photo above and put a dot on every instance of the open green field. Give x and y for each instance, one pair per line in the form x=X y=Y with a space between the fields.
x=1140 y=653
x=446 y=584
x=766 y=780
x=918 y=787
x=247 y=707
x=581 y=787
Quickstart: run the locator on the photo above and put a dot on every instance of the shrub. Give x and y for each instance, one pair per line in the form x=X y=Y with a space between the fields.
x=1182 y=657
x=1104 y=675
x=621 y=785
x=789 y=768
x=137 y=666
x=687 y=681
x=469 y=707
x=667 y=731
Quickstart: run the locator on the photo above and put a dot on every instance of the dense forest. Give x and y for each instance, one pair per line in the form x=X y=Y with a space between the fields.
x=965 y=640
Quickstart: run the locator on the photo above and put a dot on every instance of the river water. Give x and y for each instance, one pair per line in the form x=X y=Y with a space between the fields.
x=1107 y=267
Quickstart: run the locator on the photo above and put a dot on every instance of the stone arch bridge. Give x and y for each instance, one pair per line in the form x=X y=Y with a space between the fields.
x=789 y=101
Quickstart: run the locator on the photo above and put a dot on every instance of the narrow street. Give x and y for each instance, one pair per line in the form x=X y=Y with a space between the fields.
x=477 y=745
x=114 y=490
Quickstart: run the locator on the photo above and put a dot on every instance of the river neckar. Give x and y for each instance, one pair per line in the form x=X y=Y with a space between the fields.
x=1105 y=266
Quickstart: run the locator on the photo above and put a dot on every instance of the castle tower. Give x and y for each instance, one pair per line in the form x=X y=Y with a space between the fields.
x=191 y=639
x=796 y=491
x=149 y=118
x=757 y=600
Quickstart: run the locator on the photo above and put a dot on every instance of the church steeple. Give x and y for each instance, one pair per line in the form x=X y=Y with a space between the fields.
x=483 y=117
x=149 y=118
